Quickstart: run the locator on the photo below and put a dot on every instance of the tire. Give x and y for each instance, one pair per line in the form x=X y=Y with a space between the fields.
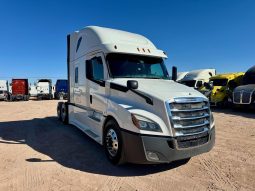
x=11 y=98
x=59 y=110
x=56 y=96
x=64 y=113
x=184 y=161
x=113 y=144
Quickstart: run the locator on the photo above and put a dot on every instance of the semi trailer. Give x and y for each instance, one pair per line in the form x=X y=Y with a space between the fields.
x=244 y=95
x=44 y=89
x=121 y=96
x=61 y=89
x=20 y=90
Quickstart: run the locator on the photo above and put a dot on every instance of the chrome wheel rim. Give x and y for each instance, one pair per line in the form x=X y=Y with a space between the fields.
x=112 y=143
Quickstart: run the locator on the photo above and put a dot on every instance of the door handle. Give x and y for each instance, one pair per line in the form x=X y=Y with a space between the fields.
x=90 y=99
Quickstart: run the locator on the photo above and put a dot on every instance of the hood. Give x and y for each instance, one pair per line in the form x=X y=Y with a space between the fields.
x=161 y=89
x=247 y=88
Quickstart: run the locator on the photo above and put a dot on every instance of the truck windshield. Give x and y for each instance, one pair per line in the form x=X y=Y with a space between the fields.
x=135 y=66
x=219 y=82
x=190 y=83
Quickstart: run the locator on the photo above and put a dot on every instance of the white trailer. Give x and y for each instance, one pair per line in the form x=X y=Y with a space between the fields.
x=121 y=96
x=3 y=89
x=197 y=78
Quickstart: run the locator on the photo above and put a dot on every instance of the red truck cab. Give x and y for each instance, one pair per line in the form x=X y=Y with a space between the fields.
x=20 y=90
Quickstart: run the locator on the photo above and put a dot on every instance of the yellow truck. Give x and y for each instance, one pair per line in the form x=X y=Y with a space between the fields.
x=222 y=88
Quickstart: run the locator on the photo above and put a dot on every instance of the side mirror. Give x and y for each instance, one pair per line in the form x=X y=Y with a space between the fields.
x=132 y=84
x=174 y=73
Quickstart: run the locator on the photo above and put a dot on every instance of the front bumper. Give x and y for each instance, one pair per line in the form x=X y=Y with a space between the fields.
x=167 y=149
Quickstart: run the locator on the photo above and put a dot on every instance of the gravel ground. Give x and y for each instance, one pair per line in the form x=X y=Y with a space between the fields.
x=40 y=153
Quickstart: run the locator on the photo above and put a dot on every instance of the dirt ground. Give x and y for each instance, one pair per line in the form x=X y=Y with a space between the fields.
x=37 y=152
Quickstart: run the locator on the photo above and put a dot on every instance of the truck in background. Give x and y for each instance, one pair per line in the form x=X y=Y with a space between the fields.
x=20 y=90
x=33 y=91
x=4 y=92
x=222 y=89
x=44 y=89
x=181 y=75
x=197 y=78
x=121 y=96
x=244 y=95
x=61 y=89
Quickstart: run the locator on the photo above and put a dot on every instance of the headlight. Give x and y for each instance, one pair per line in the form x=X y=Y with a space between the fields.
x=145 y=123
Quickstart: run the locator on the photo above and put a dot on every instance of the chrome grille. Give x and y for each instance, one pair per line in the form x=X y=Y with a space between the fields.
x=237 y=97
x=242 y=97
x=189 y=116
x=246 y=98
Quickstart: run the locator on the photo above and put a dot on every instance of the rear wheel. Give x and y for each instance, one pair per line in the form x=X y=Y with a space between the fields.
x=64 y=113
x=113 y=144
x=59 y=110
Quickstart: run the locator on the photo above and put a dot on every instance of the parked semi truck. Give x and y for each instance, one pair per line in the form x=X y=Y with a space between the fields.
x=61 y=89
x=33 y=91
x=44 y=89
x=244 y=95
x=121 y=96
x=197 y=78
x=4 y=89
x=181 y=75
x=20 y=90
x=222 y=88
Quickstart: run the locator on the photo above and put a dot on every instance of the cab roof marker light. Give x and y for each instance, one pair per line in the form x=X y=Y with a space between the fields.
x=138 y=49
x=143 y=50
x=149 y=51
x=115 y=47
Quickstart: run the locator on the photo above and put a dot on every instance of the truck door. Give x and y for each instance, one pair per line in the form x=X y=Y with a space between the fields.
x=96 y=75
x=77 y=90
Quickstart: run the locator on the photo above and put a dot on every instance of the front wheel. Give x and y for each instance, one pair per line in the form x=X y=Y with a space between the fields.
x=113 y=144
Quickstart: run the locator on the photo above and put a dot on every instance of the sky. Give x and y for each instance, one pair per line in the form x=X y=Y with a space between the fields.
x=195 y=34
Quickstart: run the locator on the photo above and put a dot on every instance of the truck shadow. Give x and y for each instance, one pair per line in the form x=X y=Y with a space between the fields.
x=69 y=147
x=243 y=112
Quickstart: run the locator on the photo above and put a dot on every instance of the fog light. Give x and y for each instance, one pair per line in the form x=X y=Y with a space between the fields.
x=152 y=155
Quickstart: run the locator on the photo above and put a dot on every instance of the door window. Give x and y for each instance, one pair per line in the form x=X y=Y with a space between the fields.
x=95 y=69
x=76 y=77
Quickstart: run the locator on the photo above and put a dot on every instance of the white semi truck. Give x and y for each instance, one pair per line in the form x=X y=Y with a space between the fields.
x=44 y=89
x=197 y=78
x=4 y=89
x=121 y=96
